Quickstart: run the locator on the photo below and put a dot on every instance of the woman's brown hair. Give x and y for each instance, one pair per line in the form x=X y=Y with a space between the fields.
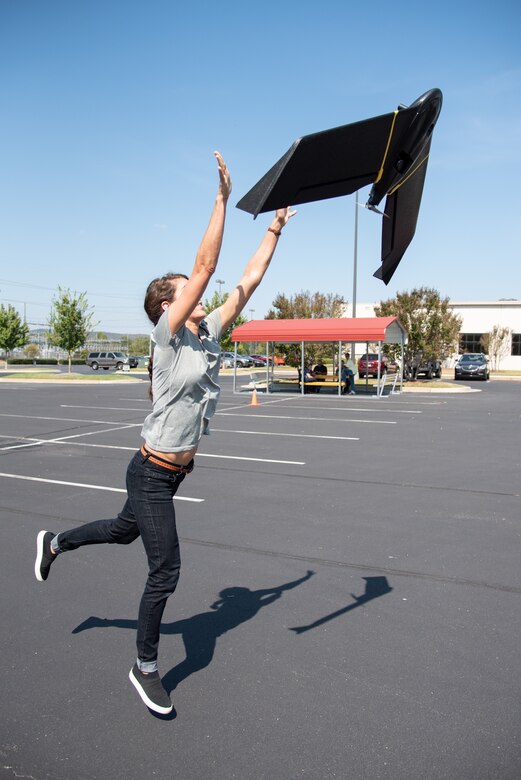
x=159 y=290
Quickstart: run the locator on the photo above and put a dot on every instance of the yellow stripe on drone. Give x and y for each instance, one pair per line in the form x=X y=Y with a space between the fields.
x=380 y=172
x=397 y=187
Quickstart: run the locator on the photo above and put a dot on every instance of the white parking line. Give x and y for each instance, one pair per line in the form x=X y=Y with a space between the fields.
x=258 y=460
x=101 y=408
x=130 y=409
x=388 y=409
x=222 y=402
x=69 y=419
x=33 y=442
x=85 y=485
x=38 y=442
x=261 y=403
x=320 y=419
x=295 y=435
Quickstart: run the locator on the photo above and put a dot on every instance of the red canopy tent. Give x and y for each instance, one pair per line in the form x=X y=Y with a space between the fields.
x=388 y=330
x=380 y=330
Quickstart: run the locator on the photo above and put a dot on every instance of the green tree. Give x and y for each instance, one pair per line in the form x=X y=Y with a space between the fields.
x=226 y=338
x=13 y=332
x=32 y=351
x=306 y=305
x=140 y=345
x=70 y=321
x=432 y=326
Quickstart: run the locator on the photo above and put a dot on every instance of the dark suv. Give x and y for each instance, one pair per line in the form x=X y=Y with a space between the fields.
x=107 y=360
x=429 y=367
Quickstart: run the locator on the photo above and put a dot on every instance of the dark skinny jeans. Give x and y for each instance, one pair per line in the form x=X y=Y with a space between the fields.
x=149 y=513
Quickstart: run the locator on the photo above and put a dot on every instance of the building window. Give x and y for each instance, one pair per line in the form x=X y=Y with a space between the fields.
x=470 y=342
x=516 y=343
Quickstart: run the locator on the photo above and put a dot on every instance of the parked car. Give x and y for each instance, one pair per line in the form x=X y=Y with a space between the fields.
x=429 y=368
x=133 y=361
x=107 y=360
x=260 y=360
x=368 y=365
x=472 y=365
x=273 y=360
x=228 y=360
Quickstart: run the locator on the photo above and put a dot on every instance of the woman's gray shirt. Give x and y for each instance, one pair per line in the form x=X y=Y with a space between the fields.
x=184 y=384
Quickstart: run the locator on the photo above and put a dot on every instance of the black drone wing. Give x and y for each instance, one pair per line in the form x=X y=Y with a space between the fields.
x=322 y=165
x=388 y=151
x=401 y=215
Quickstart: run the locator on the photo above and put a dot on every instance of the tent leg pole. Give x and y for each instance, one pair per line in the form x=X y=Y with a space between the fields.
x=378 y=378
x=235 y=370
x=403 y=365
x=267 y=368
x=339 y=368
x=302 y=380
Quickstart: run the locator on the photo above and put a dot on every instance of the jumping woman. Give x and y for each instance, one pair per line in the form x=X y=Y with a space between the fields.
x=185 y=390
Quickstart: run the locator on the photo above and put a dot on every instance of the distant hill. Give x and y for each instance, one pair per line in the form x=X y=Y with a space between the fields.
x=110 y=336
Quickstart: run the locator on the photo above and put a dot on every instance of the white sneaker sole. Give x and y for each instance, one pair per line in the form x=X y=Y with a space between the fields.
x=150 y=704
x=39 y=556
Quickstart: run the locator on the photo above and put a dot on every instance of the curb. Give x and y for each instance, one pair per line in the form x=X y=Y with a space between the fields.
x=462 y=389
x=71 y=381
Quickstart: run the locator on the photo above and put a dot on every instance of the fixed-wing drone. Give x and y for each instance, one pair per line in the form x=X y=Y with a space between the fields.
x=390 y=151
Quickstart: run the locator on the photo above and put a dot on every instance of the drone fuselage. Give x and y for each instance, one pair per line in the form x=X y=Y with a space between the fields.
x=408 y=136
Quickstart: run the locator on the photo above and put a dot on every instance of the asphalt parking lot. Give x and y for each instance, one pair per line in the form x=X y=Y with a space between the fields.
x=349 y=603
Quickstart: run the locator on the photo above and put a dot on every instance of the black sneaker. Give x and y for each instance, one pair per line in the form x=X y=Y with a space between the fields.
x=150 y=688
x=44 y=556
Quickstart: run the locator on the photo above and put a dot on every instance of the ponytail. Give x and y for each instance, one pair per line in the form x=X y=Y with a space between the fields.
x=150 y=371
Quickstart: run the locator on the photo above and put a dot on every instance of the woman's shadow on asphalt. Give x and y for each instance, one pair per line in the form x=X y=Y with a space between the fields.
x=200 y=632
x=234 y=606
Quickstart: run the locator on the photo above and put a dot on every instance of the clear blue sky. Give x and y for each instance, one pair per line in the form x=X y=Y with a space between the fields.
x=111 y=110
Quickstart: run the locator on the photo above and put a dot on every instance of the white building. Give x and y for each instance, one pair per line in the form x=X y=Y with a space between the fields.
x=478 y=318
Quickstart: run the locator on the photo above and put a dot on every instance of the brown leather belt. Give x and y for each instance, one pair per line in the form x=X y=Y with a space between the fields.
x=166 y=463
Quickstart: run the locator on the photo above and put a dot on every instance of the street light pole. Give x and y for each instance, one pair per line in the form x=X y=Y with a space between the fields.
x=355 y=258
x=355 y=264
x=220 y=282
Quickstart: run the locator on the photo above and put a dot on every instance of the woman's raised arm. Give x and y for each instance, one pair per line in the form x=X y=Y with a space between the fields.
x=207 y=255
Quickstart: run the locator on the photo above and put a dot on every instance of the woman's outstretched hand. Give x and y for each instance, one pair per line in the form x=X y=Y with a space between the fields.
x=225 y=182
x=282 y=216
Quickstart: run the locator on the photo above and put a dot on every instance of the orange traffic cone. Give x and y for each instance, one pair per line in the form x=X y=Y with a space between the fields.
x=254 y=400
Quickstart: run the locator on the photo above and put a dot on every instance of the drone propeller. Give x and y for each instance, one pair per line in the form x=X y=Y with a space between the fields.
x=373 y=208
